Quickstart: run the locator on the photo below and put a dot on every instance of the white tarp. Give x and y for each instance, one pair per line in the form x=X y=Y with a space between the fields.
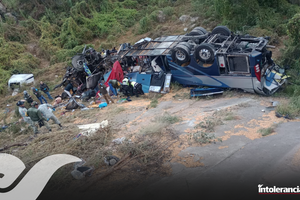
x=90 y=129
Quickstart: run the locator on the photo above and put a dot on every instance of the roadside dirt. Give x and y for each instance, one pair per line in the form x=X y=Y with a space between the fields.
x=160 y=143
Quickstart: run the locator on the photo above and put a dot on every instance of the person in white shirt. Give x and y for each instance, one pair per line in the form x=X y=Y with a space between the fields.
x=46 y=110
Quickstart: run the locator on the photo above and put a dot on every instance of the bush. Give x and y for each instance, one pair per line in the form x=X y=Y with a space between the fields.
x=293 y=28
x=145 y=25
x=168 y=11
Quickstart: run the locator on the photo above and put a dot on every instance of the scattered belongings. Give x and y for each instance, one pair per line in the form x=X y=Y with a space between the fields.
x=275 y=103
x=119 y=140
x=90 y=129
x=284 y=116
x=102 y=105
x=111 y=160
x=198 y=92
x=122 y=101
x=80 y=171
x=77 y=136
x=273 y=106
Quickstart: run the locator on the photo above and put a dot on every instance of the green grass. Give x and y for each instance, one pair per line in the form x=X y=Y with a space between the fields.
x=244 y=105
x=290 y=108
x=204 y=138
x=168 y=119
x=175 y=86
x=266 y=131
x=209 y=124
x=154 y=103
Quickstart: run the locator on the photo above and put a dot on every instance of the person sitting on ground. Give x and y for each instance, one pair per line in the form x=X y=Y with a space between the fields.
x=45 y=89
x=46 y=110
x=103 y=91
x=38 y=95
x=27 y=97
x=37 y=118
x=22 y=111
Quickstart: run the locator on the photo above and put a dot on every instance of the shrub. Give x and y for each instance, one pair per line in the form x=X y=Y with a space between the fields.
x=168 y=11
x=145 y=25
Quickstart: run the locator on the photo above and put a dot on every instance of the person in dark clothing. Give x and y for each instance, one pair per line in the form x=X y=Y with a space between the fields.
x=69 y=87
x=103 y=91
x=45 y=89
x=114 y=50
x=38 y=95
x=27 y=97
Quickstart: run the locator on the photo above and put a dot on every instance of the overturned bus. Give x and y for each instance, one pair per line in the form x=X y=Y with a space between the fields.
x=218 y=59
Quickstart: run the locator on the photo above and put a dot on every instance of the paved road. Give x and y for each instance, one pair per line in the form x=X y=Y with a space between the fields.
x=235 y=173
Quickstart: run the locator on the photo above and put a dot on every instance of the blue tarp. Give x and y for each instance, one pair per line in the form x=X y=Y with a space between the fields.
x=145 y=80
x=106 y=75
x=132 y=76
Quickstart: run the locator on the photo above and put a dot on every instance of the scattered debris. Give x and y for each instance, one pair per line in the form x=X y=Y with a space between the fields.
x=119 y=140
x=80 y=172
x=104 y=123
x=77 y=136
x=102 y=105
x=275 y=103
x=284 y=116
x=111 y=160
x=198 y=92
x=90 y=129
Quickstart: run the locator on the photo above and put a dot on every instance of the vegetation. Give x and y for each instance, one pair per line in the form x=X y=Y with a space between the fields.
x=168 y=119
x=61 y=28
x=267 y=131
x=209 y=124
x=204 y=138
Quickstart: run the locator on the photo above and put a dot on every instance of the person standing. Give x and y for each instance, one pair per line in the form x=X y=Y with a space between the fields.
x=22 y=111
x=27 y=97
x=45 y=89
x=46 y=110
x=38 y=95
x=37 y=117
x=103 y=91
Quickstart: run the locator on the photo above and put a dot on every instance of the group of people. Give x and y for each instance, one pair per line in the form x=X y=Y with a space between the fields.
x=38 y=115
x=127 y=87
x=38 y=94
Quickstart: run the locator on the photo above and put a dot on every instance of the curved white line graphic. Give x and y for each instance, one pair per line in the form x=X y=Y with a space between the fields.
x=35 y=180
x=11 y=167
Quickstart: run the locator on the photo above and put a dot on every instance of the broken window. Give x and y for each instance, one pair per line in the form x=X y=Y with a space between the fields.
x=238 y=64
